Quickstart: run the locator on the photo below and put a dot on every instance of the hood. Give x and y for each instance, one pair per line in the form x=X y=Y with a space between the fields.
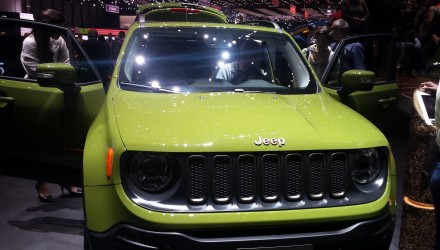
x=227 y=122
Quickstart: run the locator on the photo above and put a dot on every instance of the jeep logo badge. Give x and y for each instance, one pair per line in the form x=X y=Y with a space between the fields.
x=270 y=141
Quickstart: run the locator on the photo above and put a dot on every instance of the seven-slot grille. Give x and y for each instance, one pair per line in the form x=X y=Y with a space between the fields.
x=268 y=177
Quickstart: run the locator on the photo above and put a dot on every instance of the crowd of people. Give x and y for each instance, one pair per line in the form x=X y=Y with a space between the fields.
x=103 y=51
x=419 y=33
x=415 y=22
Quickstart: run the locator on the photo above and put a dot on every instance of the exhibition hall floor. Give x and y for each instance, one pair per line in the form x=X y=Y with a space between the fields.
x=26 y=223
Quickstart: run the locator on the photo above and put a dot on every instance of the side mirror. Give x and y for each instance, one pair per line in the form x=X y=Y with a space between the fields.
x=433 y=69
x=58 y=75
x=356 y=80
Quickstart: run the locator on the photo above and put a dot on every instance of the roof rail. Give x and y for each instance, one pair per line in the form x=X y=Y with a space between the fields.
x=264 y=23
x=142 y=21
x=144 y=8
x=216 y=15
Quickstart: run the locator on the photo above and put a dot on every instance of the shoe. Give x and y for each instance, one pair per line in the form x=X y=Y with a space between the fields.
x=76 y=193
x=47 y=199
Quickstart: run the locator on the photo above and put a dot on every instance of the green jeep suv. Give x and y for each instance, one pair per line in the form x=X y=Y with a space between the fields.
x=210 y=136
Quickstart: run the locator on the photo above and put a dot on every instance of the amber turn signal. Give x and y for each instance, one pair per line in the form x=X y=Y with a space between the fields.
x=109 y=162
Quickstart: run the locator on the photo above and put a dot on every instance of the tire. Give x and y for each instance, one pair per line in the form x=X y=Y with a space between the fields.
x=86 y=240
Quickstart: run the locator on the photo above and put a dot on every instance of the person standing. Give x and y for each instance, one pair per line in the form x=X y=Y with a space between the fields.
x=239 y=18
x=111 y=44
x=353 y=54
x=99 y=53
x=320 y=53
x=432 y=23
x=118 y=43
x=44 y=47
x=356 y=13
x=435 y=176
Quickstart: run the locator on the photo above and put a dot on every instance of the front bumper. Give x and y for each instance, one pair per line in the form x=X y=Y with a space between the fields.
x=374 y=233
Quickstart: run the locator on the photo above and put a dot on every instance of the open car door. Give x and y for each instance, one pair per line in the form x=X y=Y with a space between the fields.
x=45 y=121
x=375 y=97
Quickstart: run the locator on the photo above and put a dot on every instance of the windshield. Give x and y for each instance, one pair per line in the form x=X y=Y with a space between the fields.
x=205 y=59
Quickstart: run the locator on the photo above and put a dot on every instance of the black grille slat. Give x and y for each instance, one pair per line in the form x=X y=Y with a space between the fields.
x=316 y=176
x=294 y=177
x=270 y=178
x=338 y=180
x=266 y=178
x=246 y=178
x=222 y=179
x=197 y=175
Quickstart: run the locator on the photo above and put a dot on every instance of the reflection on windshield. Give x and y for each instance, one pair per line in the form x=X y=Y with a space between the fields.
x=213 y=59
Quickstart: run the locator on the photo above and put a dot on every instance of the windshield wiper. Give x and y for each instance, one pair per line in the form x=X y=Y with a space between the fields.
x=253 y=91
x=150 y=88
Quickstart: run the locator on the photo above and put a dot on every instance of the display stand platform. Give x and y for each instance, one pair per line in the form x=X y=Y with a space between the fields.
x=418 y=220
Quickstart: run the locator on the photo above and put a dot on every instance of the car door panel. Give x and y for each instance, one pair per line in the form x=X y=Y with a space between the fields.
x=46 y=124
x=379 y=104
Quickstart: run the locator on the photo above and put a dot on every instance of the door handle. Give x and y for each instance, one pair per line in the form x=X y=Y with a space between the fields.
x=5 y=100
x=391 y=99
x=386 y=102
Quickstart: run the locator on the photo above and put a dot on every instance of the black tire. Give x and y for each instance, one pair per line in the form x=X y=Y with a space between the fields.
x=86 y=240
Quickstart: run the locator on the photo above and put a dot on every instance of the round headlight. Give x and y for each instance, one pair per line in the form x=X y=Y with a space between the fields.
x=151 y=172
x=366 y=166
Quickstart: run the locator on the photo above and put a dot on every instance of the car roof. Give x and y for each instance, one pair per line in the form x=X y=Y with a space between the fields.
x=180 y=12
x=251 y=27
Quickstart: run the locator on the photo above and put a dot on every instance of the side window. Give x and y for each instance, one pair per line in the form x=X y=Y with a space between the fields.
x=334 y=74
x=20 y=55
x=11 y=42
x=287 y=66
x=85 y=71
x=351 y=55
x=377 y=56
x=282 y=72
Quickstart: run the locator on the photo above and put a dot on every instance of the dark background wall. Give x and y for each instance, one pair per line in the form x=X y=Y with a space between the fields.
x=385 y=14
x=76 y=14
x=10 y=5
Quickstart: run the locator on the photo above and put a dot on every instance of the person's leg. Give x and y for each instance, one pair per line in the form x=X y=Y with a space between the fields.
x=435 y=191
x=73 y=191
x=43 y=192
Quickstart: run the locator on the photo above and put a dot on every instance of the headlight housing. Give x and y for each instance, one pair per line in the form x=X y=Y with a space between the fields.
x=366 y=166
x=151 y=172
